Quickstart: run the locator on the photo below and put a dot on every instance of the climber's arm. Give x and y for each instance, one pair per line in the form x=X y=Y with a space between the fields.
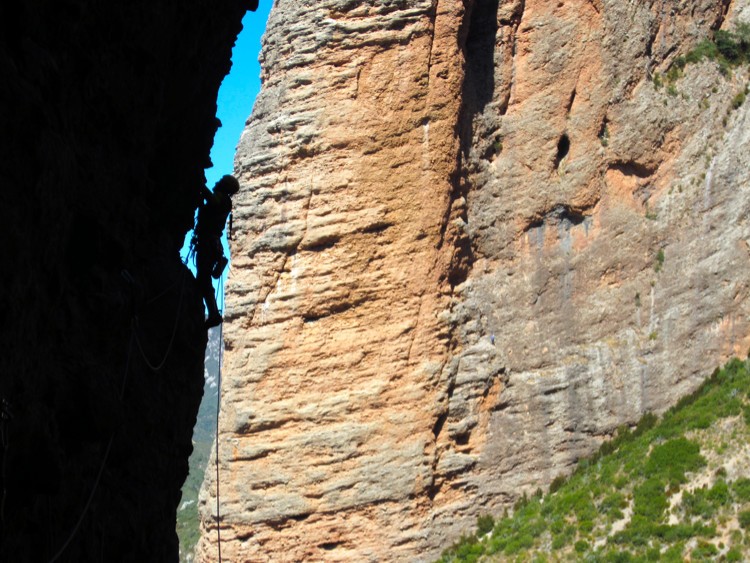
x=207 y=195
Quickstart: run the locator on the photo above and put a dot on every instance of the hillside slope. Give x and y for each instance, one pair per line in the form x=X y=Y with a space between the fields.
x=675 y=489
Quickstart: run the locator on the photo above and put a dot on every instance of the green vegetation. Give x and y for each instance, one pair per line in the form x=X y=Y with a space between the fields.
x=656 y=492
x=659 y=262
x=727 y=48
x=604 y=135
x=203 y=435
x=739 y=99
x=188 y=529
x=497 y=145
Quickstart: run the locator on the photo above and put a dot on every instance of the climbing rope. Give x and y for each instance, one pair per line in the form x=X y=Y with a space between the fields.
x=219 y=290
x=101 y=465
x=133 y=337
x=5 y=415
x=134 y=323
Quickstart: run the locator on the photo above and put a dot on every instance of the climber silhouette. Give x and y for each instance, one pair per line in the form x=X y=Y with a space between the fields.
x=210 y=259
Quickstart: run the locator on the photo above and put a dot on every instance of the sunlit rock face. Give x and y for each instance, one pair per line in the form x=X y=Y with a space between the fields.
x=107 y=117
x=473 y=239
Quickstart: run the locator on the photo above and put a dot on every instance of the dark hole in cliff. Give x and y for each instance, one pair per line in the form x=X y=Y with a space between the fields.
x=632 y=168
x=559 y=214
x=563 y=146
x=323 y=244
x=329 y=546
x=573 y=216
x=438 y=426
x=432 y=490
x=336 y=308
x=571 y=100
x=377 y=228
x=462 y=439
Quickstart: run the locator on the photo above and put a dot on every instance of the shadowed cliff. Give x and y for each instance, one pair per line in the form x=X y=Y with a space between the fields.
x=108 y=114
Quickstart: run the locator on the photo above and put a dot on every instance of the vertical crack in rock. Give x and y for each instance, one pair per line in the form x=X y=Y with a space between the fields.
x=478 y=38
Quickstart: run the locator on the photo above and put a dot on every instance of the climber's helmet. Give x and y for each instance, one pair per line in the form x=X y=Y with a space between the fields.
x=228 y=185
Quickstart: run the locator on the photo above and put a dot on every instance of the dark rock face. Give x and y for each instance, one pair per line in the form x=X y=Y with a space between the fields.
x=107 y=113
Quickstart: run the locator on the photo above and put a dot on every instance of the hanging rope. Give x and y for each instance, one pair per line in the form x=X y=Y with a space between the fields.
x=101 y=466
x=133 y=337
x=157 y=367
x=219 y=291
x=5 y=415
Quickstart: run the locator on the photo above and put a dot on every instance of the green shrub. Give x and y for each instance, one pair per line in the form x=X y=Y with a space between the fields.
x=675 y=71
x=648 y=420
x=560 y=541
x=741 y=489
x=738 y=100
x=706 y=49
x=485 y=524
x=659 y=260
x=497 y=543
x=650 y=500
x=466 y=550
x=727 y=46
x=557 y=525
x=556 y=483
x=497 y=145
x=704 y=550
x=673 y=458
x=719 y=493
x=671 y=534
x=638 y=532
x=674 y=554
x=581 y=546
x=644 y=466
x=612 y=502
x=517 y=544
x=618 y=557
x=733 y=554
x=657 y=80
x=698 y=504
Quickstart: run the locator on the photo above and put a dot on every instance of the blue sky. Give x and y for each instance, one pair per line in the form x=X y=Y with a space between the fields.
x=238 y=91
x=236 y=97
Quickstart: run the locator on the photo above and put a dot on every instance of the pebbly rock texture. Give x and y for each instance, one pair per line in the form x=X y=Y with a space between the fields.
x=107 y=113
x=473 y=239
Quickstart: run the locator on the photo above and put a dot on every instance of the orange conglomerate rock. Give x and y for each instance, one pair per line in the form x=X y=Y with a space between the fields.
x=473 y=239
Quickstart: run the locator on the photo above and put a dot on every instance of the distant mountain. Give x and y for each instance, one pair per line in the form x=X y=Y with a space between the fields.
x=203 y=438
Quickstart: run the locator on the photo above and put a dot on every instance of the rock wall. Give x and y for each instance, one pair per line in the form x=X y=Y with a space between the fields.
x=107 y=117
x=474 y=238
